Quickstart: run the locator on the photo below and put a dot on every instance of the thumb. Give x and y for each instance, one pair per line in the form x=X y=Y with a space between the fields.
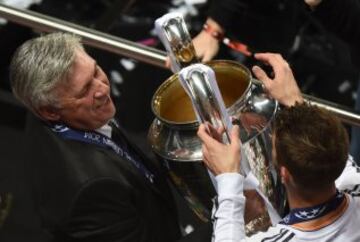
x=261 y=75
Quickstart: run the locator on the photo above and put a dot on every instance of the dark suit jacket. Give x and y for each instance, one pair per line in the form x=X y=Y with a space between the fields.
x=87 y=193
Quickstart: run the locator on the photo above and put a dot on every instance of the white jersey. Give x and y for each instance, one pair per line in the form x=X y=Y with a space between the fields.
x=341 y=224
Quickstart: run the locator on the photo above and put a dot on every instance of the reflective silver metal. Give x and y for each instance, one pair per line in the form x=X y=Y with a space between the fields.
x=173 y=138
x=345 y=114
x=200 y=84
x=173 y=33
x=89 y=36
x=130 y=49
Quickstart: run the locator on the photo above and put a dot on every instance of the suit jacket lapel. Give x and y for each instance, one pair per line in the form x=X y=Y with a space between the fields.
x=160 y=185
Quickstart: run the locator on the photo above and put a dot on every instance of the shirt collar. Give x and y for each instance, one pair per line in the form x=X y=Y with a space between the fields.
x=105 y=130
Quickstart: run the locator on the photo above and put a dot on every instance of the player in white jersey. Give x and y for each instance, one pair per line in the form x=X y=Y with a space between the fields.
x=339 y=224
x=310 y=149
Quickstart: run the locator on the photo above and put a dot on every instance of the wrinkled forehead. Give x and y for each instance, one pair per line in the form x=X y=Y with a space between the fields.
x=82 y=59
x=81 y=67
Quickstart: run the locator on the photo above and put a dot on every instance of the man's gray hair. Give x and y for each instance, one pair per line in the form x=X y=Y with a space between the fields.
x=39 y=65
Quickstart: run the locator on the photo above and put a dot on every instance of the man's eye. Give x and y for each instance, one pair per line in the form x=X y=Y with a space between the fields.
x=81 y=94
x=84 y=91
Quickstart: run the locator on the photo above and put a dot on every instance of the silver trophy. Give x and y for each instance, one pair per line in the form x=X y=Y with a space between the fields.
x=221 y=90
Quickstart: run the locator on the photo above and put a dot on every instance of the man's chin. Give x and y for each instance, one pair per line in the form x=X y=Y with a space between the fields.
x=111 y=115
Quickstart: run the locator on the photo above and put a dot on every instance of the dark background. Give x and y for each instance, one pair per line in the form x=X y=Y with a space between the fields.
x=320 y=62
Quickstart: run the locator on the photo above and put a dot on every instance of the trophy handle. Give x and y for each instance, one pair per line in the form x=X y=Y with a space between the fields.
x=173 y=33
x=200 y=84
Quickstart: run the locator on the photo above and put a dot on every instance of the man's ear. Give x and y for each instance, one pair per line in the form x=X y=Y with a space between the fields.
x=285 y=175
x=49 y=113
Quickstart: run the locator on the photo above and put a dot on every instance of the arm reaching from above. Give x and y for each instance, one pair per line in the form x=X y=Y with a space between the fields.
x=205 y=44
x=283 y=86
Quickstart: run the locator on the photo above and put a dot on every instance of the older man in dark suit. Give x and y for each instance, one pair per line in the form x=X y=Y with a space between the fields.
x=90 y=183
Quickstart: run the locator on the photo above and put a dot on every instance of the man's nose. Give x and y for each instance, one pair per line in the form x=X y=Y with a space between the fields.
x=102 y=88
x=103 y=80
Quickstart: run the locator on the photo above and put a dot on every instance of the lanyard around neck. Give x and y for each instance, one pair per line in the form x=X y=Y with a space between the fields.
x=101 y=140
x=299 y=215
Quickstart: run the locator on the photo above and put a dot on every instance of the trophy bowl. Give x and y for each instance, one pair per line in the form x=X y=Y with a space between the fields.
x=173 y=138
